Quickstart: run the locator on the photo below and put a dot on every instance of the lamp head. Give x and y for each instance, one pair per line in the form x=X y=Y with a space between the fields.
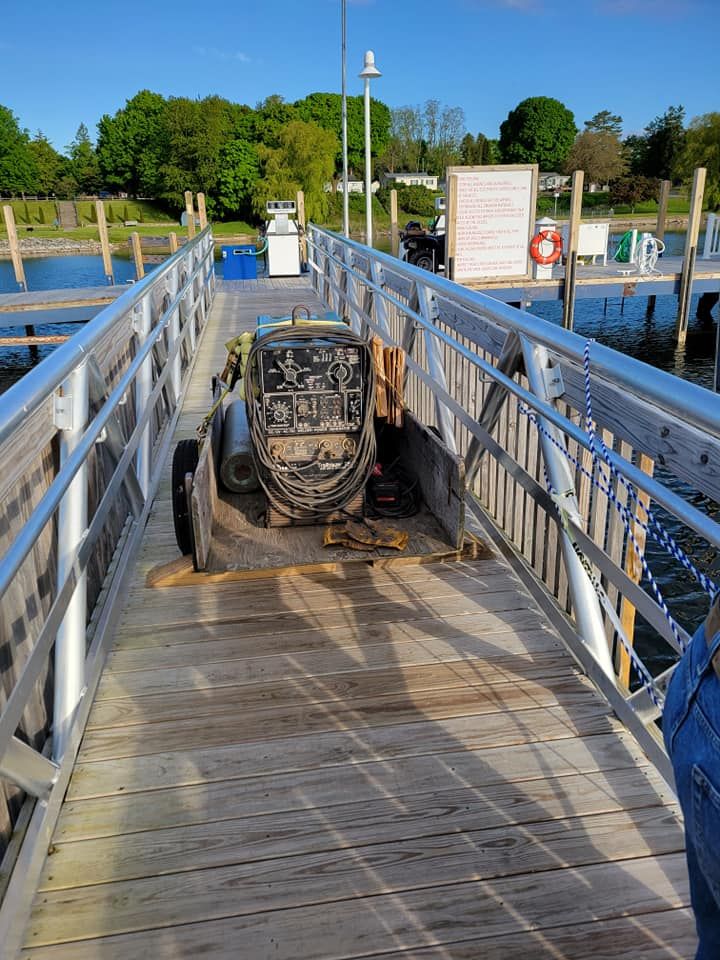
x=369 y=71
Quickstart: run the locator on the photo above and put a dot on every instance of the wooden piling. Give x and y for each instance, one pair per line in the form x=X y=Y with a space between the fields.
x=136 y=248
x=663 y=198
x=690 y=254
x=578 y=179
x=190 y=214
x=300 y=203
x=202 y=213
x=173 y=242
x=15 y=255
x=104 y=241
x=394 y=232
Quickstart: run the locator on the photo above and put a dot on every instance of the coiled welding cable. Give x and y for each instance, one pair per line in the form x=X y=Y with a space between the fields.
x=288 y=487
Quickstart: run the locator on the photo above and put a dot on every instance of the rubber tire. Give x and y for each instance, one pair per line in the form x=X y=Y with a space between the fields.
x=185 y=460
x=423 y=259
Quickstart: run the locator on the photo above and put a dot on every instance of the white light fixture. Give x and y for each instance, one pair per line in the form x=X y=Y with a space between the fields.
x=368 y=73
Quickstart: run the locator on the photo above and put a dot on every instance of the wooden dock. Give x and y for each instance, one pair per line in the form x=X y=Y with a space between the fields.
x=58 y=299
x=612 y=280
x=396 y=762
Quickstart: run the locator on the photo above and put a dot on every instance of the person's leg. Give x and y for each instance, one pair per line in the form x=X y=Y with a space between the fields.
x=691 y=726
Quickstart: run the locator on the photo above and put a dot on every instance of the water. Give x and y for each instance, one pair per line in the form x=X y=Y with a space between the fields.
x=624 y=325
x=53 y=273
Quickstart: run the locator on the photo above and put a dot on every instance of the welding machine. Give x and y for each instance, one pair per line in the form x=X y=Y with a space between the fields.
x=310 y=394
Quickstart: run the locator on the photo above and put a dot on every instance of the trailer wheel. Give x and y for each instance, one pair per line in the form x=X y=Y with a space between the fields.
x=185 y=460
x=423 y=259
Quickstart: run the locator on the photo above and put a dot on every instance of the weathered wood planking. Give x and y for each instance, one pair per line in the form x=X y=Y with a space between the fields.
x=363 y=763
x=59 y=299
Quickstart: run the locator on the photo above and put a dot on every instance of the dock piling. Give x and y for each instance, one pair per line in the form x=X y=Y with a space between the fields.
x=104 y=241
x=578 y=178
x=690 y=255
x=660 y=227
x=136 y=247
x=394 y=233
x=202 y=212
x=190 y=214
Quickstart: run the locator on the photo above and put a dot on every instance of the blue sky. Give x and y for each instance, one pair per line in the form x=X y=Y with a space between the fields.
x=66 y=62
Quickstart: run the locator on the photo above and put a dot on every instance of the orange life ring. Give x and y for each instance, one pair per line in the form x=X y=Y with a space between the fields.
x=551 y=237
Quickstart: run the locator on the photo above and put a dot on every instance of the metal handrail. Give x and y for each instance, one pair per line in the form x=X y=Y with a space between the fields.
x=645 y=381
x=367 y=284
x=35 y=386
x=19 y=762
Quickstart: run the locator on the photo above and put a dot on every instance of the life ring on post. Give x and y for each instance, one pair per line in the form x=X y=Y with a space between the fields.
x=546 y=236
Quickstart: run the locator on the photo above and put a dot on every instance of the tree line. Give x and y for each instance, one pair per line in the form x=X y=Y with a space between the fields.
x=240 y=156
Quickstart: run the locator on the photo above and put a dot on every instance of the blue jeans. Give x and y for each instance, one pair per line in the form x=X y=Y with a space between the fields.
x=691 y=728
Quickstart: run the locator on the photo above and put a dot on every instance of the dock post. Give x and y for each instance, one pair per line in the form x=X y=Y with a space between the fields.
x=300 y=202
x=578 y=179
x=190 y=214
x=688 y=267
x=394 y=233
x=104 y=241
x=136 y=248
x=202 y=212
x=585 y=604
x=15 y=255
x=71 y=414
x=173 y=243
x=663 y=197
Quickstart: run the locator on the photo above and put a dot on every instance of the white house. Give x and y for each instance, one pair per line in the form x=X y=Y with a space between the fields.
x=552 y=181
x=354 y=186
x=411 y=180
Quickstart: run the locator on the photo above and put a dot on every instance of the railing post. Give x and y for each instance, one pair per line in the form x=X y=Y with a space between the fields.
x=142 y=322
x=585 y=602
x=71 y=416
x=174 y=332
x=436 y=368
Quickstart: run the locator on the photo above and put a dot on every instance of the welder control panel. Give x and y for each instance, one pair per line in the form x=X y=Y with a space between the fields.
x=311 y=389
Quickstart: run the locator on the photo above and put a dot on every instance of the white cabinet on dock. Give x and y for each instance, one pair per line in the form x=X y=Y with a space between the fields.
x=593 y=240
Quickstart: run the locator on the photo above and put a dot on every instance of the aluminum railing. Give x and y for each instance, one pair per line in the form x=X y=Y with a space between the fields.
x=711 y=247
x=506 y=390
x=103 y=406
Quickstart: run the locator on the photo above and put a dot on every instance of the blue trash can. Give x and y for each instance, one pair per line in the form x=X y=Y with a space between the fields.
x=239 y=263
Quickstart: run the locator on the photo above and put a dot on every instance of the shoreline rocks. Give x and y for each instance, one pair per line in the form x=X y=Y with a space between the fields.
x=53 y=247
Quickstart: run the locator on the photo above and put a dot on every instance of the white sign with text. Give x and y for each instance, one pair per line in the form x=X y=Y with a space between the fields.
x=493 y=215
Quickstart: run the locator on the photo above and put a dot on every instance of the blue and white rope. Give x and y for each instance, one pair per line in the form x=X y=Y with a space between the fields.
x=658 y=532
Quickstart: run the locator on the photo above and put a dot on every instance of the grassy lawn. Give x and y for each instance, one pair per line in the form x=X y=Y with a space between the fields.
x=117 y=211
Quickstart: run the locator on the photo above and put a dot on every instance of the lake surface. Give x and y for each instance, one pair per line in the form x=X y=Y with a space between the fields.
x=624 y=325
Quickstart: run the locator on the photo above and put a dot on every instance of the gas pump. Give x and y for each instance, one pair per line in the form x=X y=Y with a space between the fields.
x=283 y=239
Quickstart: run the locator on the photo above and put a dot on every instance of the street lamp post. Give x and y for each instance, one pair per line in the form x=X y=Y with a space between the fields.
x=369 y=72
x=346 y=199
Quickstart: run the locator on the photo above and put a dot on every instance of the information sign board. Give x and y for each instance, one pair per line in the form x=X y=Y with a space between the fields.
x=491 y=216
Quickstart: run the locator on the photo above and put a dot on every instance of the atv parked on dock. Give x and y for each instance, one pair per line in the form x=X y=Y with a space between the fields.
x=425 y=246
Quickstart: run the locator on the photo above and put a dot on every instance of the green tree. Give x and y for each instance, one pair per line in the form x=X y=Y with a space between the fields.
x=599 y=154
x=605 y=122
x=18 y=171
x=633 y=190
x=49 y=164
x=83 y=163
x=325 y=109
x=539 y=130
x=304 y=160
x=239 y=171
x=192 y=136
x=702 y=149
x=634 y=148
x=129 y=145
x=665 y=141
